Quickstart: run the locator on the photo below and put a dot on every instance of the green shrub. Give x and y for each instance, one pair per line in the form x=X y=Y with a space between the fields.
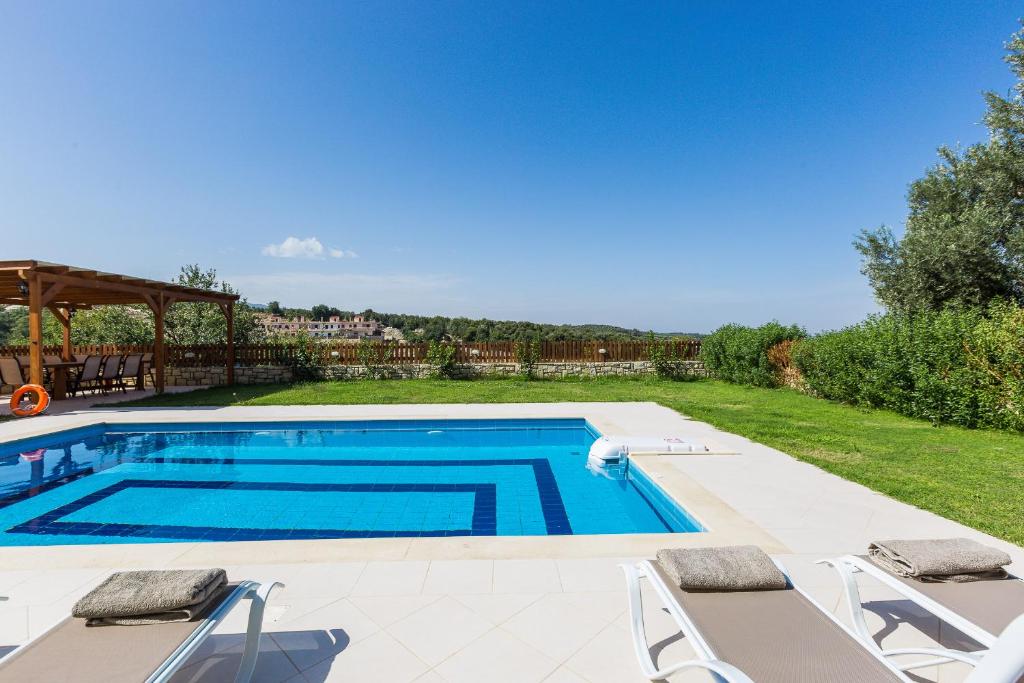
x=441 y=358
x=664 y=358
x=307 y=361
x=528 y=355
x=739 y=354
x=962 y=366
x=375 y=357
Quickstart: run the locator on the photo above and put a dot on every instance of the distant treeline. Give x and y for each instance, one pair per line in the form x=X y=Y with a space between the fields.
x=420 y=327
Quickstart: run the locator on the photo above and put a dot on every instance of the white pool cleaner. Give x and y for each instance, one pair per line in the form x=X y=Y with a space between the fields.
x=612 y=450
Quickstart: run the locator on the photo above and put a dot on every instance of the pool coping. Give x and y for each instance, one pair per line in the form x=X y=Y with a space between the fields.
x=724 y=524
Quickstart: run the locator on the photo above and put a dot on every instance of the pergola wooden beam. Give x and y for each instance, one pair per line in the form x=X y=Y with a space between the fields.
x=61 y=288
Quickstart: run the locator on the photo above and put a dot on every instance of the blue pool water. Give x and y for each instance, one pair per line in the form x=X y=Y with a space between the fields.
x=145 y=483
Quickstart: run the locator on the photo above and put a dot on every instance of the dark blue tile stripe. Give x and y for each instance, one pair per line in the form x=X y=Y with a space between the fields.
x=31 y=491
x=484 y=512
x=556 y=519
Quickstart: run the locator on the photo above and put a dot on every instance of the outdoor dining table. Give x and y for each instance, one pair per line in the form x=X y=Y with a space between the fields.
x=59 y=370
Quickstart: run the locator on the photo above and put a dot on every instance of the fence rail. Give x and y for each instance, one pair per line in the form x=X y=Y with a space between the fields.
x=347 y=353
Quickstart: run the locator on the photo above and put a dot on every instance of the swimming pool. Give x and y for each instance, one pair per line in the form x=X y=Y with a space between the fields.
x=149 y=483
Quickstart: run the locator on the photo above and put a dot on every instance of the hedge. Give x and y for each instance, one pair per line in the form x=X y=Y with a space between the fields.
x=962 y=366
x=739 y=354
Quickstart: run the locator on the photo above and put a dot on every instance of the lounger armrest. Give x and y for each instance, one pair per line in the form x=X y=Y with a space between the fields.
x=971 y=658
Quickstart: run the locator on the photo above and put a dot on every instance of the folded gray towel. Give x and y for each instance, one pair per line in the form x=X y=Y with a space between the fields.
x=184 y=614
x=942 y=560
x=733 y=568
x=152 y=594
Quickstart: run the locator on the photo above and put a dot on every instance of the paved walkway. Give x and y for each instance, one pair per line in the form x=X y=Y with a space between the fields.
x=73 y=405
x=362 y=611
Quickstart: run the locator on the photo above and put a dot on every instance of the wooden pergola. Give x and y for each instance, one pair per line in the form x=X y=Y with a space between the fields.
x=64 y=289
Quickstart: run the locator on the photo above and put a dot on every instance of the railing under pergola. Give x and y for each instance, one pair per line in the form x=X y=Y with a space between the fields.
x=64 y=289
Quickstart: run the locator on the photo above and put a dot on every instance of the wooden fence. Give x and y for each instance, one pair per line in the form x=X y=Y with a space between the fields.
x=347 y=353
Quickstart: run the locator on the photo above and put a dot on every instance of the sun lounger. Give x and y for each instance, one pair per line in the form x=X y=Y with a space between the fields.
x=781 y=636
x=71 y=651
x=981 y=610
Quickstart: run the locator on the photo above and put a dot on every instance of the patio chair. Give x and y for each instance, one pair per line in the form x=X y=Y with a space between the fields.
x=978 y=609
x=72 y=651
x=10 y=372
x=781 y=636
x=89 y=376
x=129 y=370
x=110 y=373
x=147 y=365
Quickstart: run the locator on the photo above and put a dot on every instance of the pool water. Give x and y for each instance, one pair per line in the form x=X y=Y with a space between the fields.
x=145 y=483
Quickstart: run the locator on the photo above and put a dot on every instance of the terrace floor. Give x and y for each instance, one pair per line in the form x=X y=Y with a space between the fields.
x=87 y=401
x=497 y=609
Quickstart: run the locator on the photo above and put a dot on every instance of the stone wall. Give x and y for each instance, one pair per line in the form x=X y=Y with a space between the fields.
x=266 y=374
x=271 y=374
x=215 y=375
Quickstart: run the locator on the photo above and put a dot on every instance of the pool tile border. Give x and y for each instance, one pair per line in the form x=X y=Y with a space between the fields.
x=485 y=518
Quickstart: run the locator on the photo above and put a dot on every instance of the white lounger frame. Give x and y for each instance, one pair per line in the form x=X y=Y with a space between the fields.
x=251 y=590
x=848 y=566
x=706 y=658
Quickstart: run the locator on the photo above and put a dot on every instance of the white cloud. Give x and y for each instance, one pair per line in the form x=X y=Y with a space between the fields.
x=308 y=248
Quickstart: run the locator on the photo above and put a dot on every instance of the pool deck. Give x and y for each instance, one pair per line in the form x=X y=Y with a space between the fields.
x=514 y=609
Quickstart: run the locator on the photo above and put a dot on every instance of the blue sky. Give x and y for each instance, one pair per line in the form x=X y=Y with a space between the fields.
x=657 y=165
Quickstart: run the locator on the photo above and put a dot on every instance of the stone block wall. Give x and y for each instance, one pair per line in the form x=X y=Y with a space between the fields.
x=217 y=375
x=268 y=374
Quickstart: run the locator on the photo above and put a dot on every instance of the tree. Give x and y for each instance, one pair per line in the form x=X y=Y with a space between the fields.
x=964 y=239
x=274 y=308
x=13 y=324
x=323 y=312
x=203 y=323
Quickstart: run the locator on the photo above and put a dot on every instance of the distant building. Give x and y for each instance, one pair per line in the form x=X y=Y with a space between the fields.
x=334 y=327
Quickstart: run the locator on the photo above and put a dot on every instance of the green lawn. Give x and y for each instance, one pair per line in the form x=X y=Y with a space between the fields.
x=973 y=476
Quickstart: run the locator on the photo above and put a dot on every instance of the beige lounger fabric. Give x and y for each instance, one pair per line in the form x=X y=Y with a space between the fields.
x=954 y=560
x=732 y=568
x=778 y=637
x=991 y=604
x=76 y=653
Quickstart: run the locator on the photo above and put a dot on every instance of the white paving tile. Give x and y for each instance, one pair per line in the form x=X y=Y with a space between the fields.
x=590 y=575
x=391 y=578
x=560 y=624
x=387 y=609
x=497 y=657
x=378 y=659
x=459 y=576
x=498 y=608
x=564 y=675
x=439 y=630
x=526 y=576
x=323 y=633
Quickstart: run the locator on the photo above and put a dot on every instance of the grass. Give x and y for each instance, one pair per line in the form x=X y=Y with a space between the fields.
x=972 y=476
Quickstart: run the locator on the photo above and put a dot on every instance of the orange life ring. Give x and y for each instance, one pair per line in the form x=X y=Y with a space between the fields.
x=41 y=403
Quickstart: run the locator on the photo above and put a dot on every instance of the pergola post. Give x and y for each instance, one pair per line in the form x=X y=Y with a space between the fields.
x=229 y=314
x=35 y=330
x=66 y=329
x=158 y=304
x=63 y=316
